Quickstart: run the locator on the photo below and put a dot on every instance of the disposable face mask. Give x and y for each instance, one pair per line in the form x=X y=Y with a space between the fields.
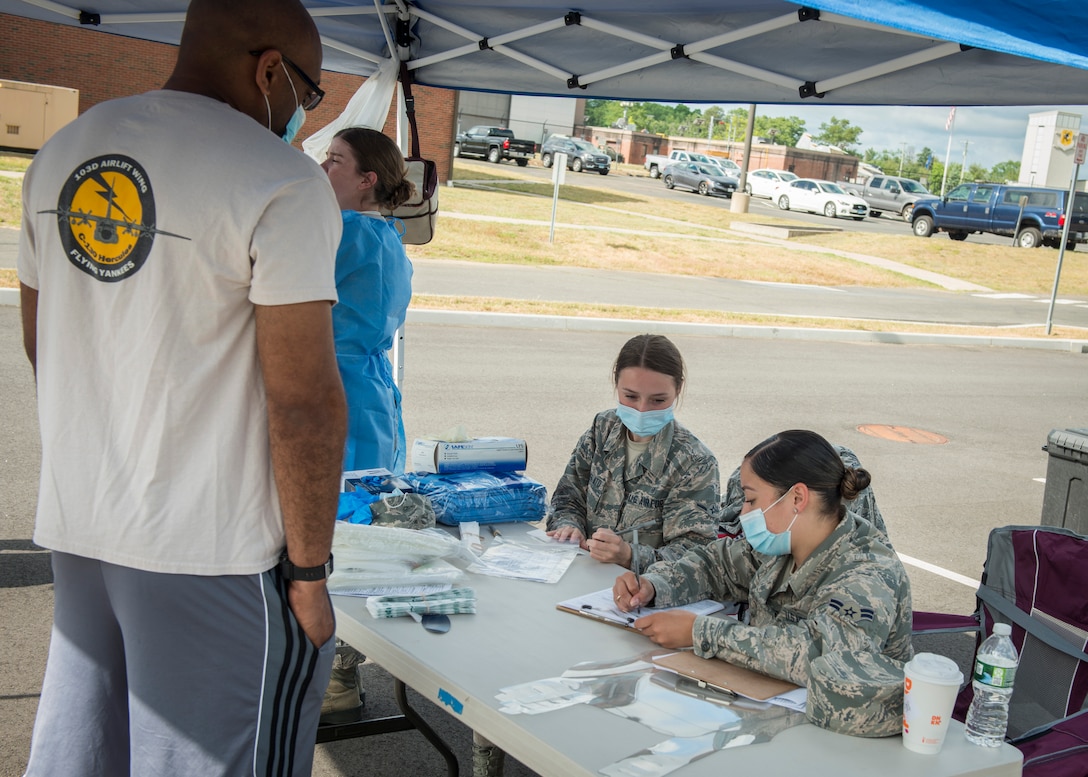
x=298 y=118
x=644 y=424
x=762 y=539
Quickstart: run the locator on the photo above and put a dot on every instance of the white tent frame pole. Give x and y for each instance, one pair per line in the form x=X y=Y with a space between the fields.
x=742 y=69
x=695 y=51
x=344 y=48
x=57 y=8
x=496 y=44
x=891 y=66
x=353 y=10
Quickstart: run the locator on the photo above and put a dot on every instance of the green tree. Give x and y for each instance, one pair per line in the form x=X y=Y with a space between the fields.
x=1005 y=171
x=839 y=132
x=976 y=172
x=603 y=113
x=787 y=129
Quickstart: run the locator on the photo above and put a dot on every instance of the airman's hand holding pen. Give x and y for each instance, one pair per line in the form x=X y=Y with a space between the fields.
x=608 y=546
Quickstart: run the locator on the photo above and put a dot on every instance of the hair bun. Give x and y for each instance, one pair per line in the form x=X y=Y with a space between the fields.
x=854 y=481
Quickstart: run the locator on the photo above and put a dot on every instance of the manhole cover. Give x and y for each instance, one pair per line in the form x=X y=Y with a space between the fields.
x=902 y=434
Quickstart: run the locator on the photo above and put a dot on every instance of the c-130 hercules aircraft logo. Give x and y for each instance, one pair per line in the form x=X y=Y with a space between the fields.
x=106 y=218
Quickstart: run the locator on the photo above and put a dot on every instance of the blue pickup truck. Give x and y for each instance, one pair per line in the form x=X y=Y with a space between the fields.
x=997 y=209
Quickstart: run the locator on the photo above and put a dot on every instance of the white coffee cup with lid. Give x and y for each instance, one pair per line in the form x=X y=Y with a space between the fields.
x=930 y=685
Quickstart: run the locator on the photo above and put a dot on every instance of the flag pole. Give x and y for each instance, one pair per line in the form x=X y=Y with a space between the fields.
x=949 y=126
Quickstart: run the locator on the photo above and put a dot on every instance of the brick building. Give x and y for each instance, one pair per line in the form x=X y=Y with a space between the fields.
x=103 y=66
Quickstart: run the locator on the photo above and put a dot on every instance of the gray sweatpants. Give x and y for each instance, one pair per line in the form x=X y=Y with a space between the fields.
x=159 y=674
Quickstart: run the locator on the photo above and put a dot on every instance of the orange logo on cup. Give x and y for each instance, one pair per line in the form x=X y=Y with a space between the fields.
x=906 y=684
x=935 y=720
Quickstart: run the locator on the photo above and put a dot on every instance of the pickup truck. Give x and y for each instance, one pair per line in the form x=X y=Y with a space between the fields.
x=888 y=194
x=997 y=209
x=656 y=164
x=494 y=144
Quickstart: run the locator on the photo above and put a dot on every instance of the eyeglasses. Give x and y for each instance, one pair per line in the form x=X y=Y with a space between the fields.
x=313 y=99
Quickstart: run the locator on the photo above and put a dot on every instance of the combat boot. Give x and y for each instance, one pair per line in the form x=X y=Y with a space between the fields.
x=344 y=697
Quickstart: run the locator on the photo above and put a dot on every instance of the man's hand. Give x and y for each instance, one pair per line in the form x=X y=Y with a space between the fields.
x=309 y=601
x=608 y=547
x=668 y=629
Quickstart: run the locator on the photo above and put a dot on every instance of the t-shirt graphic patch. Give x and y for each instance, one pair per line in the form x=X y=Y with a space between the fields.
x=106 y=217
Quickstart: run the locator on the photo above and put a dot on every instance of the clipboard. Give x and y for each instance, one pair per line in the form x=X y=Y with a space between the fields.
x=723 y=676
x=599 y=607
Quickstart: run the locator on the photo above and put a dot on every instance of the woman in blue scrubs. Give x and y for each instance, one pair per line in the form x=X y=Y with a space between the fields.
x=374 y=283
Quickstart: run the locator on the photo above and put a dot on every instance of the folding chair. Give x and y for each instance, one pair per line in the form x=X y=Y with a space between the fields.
x=1036 y=579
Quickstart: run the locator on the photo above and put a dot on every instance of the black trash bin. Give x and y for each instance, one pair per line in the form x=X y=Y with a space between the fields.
x=1065 y=498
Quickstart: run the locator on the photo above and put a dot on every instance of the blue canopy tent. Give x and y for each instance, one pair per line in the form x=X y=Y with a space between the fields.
x=842 y=52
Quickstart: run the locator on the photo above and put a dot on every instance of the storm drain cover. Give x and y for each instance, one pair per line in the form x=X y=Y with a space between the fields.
x=902 y=434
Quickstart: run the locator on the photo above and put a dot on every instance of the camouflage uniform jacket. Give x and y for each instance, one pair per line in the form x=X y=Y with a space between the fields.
x=851 y=595
x=675 y=482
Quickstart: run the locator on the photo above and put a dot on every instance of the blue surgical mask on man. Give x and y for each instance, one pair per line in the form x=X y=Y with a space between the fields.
x=762 y=539
x=298 y=118
x=644 y=424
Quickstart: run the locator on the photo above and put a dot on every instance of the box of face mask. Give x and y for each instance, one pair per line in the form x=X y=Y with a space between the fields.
x=488 y=454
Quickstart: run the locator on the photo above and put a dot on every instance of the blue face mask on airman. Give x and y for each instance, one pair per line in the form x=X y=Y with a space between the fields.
x=762 y=539
x=298 y=118
x=645 y=424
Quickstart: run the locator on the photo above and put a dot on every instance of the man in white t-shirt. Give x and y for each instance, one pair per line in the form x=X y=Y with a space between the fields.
x=176 y=268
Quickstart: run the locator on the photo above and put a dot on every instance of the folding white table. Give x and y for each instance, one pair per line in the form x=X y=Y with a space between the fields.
x=517 y=635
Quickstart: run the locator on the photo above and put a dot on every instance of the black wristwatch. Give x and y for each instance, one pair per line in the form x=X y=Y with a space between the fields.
x=291 y=572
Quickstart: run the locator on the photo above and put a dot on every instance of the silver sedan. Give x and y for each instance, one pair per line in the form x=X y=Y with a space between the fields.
x=701 y=178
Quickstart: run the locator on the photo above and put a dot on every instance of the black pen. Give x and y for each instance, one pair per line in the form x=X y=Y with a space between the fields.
x=495 y=532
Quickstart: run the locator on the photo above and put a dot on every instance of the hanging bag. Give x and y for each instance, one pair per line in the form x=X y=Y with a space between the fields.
x=420 y=213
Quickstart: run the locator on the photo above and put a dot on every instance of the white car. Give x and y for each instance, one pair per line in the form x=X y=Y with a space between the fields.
x=764 y=181
x=727 y=166
x=824 y=197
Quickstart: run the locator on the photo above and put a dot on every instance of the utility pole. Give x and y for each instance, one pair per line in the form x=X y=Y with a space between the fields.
x=963 y=164
x=902 y=155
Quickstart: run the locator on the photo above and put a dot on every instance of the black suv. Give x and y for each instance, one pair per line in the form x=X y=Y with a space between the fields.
x=581 y=154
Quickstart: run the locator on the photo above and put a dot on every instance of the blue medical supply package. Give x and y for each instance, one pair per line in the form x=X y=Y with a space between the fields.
x=484 y=497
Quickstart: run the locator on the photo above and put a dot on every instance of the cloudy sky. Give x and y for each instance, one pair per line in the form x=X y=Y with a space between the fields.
x=993 y=134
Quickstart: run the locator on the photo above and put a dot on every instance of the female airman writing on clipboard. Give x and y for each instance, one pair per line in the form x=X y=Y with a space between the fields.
x=828 y=599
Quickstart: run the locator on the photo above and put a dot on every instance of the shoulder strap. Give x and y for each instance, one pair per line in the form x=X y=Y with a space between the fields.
x=1036 y=628
x=410 y=106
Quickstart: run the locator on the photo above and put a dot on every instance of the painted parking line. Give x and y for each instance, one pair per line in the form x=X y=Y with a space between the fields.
x=945 y=573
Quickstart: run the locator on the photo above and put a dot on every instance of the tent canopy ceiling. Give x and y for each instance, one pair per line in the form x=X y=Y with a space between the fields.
x=840 y=52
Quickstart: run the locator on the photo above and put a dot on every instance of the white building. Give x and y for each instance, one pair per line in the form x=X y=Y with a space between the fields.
x=1049 y=146
x=531 y=118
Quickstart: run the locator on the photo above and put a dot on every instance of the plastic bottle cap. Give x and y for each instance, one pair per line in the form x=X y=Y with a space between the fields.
x=1003 y=629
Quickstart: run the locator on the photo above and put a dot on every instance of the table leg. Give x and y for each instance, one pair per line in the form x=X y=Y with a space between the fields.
x=401 y=694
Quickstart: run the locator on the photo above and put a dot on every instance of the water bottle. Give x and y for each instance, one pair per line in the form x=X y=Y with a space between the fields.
x=995 y=670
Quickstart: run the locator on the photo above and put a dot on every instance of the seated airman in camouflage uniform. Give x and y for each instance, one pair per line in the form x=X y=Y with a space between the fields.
x=638 y=467
x=863 y=505
x=829 y=601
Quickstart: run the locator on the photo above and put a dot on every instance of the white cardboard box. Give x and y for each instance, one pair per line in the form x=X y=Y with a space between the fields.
x=505 y=454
